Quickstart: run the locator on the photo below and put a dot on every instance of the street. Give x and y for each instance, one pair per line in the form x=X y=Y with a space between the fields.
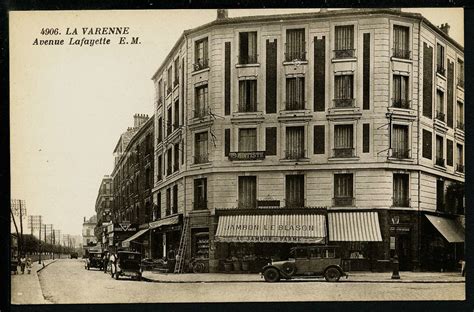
x=66 y=281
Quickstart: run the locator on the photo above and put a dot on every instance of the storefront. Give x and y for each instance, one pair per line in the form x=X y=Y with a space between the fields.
x=118 y=232
x=164 y=237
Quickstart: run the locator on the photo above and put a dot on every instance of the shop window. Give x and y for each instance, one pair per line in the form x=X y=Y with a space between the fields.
x=295 y=47
x=344 y=42
x=201 y=101
x=247 y=192
x=271 y=141
x=247 y=96
x=201 y=59
x=401 y=45
x=358 y=250
x=174 y=208
x=248 y=47
x=343 y=91
x=439 y=151
x=201 y=148
x=295 y=147
x=427 y=144
x=343 y=141
x=295 y=99
x=200 y=194
x=400 y=92
x=400 y=144
x=247 y=140
x=343 y=190
x=400 y=190
x=440 y=105
x=294 y=191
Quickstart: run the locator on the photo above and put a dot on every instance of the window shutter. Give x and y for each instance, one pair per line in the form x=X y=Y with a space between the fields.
x=227 y=83
x=366 y=72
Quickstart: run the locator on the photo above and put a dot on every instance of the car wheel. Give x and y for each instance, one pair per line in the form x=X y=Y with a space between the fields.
x=289 y=268
x=271 y=275
x=332 y=275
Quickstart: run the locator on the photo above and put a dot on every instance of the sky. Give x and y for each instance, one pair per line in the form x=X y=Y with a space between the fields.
x=69 y=104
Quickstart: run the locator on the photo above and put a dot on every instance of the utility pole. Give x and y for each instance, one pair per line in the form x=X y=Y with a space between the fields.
x=39 y=237
x=21 y=226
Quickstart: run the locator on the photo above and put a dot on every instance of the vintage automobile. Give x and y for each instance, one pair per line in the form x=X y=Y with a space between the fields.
x=313 y=261
x=73 y=255
x=126 y=263
x=94 y=260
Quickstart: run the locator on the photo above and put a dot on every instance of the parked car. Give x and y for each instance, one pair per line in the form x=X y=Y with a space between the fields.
x=73 y=255
x=318 y=261
x=94 y=261
x=126 y=263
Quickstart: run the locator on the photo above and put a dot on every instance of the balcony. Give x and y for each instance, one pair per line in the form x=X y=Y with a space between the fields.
x=175 y=82
x=256 y=155
x=295 y=154
x=460 y=125
x=298 y=55
x=401 y=53
x=440 y=116
x=344 y=53
x=460 y=168
x=401 y=103
x=248 y=59
x=400 y=153
x=440 y=69
x=440 y=161
x=200 y=205
x=201 y=159
x=200 y=112
x=201 y=64
x=343 y=201
x=401 y=202
x=343 y=152
x=460 y=82
x=294 y=105
x=343 y=103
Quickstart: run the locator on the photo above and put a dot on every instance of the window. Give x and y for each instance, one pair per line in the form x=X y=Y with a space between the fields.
x=343 y=194
x=170 y=161
x=460 y=158
x=176 y=115
x=343 y=141
x=169 y=87
x=201 y=59
x=400 y=146
x=200 y=101
x=439 y=151
x=344 y=47
x=271 y=141
x=176 y=157
x=449 y=152
x=160 y=168
x=343 y=91
x=147 y=178
x=247 y=95
x=175 y=200
x=157 y=212
x=365 y=138
x=226 y=142
x=401 y=45
x=319 y=140
x=295 y=45
x=160 y=130
x=294 y=191
x=460 y=116
x=248 y=47
x=440 y=105
x=168 y=201
x=295 y=93
x=440 y=68
x=400 y=190
x=176 y=72
x=169 y=122
x=427 y=144
x=200 y=194
x=160 y=91
x=400 y=92
x=200 y=148
x=440 y=203
x=247 y=140
x=460 y=73
x=248 y=192
x=295 y=147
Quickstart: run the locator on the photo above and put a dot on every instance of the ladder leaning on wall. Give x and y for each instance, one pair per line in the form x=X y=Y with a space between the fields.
x=179 y=266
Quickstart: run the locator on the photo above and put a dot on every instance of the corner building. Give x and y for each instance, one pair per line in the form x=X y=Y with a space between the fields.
x=340 y=127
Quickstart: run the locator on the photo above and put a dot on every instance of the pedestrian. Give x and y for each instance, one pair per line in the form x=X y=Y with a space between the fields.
x=28 y=265
x=22 y=264
x=105 y=261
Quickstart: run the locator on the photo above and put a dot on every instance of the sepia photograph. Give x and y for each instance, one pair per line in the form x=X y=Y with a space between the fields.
x=237 y=155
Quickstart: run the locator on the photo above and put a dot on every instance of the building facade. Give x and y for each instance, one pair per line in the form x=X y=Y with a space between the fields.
x=339 y=127
x=103 y=210
x=89 y=239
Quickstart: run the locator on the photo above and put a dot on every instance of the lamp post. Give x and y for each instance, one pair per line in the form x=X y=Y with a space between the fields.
x=395 y=263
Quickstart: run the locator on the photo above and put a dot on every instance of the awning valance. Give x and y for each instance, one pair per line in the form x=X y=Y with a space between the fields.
x=298 y=228
x=354 y=227
x=448 y=228
x=135 y=236
x=168 y=221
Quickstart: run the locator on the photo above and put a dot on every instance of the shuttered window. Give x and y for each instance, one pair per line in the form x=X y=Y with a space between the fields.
x=247 y=140
x=427 y=144
x=343 y=193
x=248 y=192
x=365 y=138
x=200 y=194
x=343 y=141
x=200 y=101
x=294 y=191
x=295 y=148
x=248 y=47
x=295 y=45
x=400 y=145
x=400 y=190
x=449 y=152
x=270 y=141
x=400 y=92
x=174 y=209
x=295 y=93
x=200 y=148
x=319 y=139
x=248 y=96
x=226 y=142
x=401 y=47
x=344 y=41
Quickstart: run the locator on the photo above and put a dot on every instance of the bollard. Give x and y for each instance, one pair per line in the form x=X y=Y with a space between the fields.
x=395 y=265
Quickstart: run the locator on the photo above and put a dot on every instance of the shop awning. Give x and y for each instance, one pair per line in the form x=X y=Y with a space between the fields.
x=300 y=228
x=354 y=227
x=448 y=228
x=162 y=222
x=135 y=236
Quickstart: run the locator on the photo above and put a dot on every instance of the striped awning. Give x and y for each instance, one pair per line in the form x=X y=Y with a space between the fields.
x=298 y=228
x=354 y=227
x=135 y=236
x=448 y=228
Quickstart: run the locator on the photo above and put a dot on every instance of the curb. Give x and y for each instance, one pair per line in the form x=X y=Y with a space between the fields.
x=44 y=266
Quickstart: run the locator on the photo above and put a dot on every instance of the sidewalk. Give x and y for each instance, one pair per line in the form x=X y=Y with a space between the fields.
x=25 y=288
x=355 y=277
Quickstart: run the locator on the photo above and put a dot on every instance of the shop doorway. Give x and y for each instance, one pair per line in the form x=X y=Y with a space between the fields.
x=404 y=252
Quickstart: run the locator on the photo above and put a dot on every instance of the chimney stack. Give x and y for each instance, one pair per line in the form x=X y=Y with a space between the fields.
x=445 y=28
x=222 y=13
x=139 y=119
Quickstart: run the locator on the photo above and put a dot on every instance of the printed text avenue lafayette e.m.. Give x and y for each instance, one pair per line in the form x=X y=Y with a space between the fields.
x=85 y=36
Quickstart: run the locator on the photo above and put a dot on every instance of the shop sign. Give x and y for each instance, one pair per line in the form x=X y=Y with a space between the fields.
x=125 y=227
x=400 y=228
x=247 y=155
x=272 y=239
x=271 y=227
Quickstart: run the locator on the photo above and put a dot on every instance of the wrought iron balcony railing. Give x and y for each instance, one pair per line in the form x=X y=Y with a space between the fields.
x=201 y=64
x=295 y=154
x=344 y=53
x=440 y=161
x=400 y=153
x=294 y=105
x=343 y=152
x=440 y=69
x=460 y=168
x=343 y=103
x=401 y=103
x=296 y=54
x=401 y=53
x=440 y=116
x=248 y=59
x=343 y=201
x=201 y=159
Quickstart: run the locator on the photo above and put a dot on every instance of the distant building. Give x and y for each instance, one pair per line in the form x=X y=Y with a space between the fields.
x=103 y=206
x=88 y=237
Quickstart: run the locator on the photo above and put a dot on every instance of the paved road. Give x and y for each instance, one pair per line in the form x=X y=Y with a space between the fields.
x=66 y=281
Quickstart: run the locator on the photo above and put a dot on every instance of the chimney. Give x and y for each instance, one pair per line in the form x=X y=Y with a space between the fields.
x=445 y=28
x=139 y=119
x=222 y=13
